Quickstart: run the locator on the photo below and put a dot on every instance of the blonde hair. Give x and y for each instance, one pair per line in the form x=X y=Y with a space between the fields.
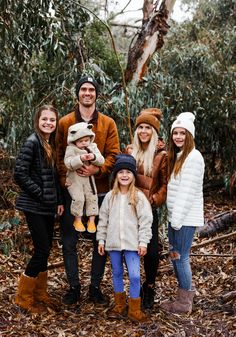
x=48 y=147
x=175 y=164
x=132 y=193
x=145 y=157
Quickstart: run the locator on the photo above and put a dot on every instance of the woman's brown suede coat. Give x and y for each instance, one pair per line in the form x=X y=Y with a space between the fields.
x=155 y=186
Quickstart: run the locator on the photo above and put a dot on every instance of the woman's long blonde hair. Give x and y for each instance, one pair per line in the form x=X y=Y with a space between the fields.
x=132 y=193
x=174 y=164
x=48 y=147
x=145 y=157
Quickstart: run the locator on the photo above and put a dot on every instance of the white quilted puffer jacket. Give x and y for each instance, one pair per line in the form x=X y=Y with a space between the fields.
x=185 y=193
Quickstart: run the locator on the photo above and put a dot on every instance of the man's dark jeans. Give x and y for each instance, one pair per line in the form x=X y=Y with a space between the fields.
x=69 y=248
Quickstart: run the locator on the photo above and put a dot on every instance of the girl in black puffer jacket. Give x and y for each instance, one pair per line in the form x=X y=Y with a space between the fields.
x=40 y=200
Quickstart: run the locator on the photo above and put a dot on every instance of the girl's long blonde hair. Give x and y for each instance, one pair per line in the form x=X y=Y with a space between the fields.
x=48 y=147
x=174 y=164
x=132 y=193
x=145 y=157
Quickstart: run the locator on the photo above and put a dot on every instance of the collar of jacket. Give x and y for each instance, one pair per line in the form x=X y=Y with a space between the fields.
x=80 y=119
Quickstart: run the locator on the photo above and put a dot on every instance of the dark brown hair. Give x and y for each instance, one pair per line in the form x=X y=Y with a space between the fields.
x=48 y=147
x=175 y=165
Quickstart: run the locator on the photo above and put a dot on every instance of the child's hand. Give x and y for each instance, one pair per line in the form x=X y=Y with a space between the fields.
x=101 y=250
x=142 y=251
x=87 y=156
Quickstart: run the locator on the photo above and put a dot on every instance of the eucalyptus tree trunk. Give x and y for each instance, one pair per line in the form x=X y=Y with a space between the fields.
x=150 y=39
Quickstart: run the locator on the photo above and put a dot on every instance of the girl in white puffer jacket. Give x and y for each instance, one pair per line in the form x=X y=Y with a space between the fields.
x=185 y=206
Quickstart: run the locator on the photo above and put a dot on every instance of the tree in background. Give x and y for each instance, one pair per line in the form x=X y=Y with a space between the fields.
x=45 y=46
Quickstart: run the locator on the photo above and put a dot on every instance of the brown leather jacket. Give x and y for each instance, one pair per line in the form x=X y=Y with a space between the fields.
x=106 y=138
x=155 y=186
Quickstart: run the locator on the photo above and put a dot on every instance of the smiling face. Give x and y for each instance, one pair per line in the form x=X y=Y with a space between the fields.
x=87 y=95
x=125 y=178
x=144 y=132
x=179 y=136
x=47 y=122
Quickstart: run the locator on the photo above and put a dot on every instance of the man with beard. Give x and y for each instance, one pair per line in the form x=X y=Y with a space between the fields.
x=106 y=137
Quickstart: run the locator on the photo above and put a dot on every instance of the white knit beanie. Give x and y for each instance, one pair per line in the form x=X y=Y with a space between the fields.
x=185 y=120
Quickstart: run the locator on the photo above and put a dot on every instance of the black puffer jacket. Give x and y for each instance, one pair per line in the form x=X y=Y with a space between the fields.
x=39 y=184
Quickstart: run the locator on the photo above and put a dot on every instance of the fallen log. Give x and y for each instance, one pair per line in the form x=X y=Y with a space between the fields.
x=217 y=224
x=208 y=242
x=228 y=297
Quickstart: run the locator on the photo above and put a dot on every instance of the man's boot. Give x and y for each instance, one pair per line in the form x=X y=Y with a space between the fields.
x=147 y=294
x=72 y=296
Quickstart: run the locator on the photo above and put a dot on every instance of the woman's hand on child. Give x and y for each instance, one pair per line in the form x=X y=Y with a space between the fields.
x=101 y=249
x=142 y=251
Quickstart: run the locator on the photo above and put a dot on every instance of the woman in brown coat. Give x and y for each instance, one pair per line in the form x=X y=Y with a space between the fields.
x=152 y=180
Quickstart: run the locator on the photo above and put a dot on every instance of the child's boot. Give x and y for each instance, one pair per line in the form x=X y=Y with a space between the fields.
x=91 y=227
x=79 y=226
x=134 y=310
x=119 y=308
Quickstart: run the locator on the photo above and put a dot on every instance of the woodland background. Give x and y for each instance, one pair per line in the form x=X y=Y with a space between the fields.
x=44 y=47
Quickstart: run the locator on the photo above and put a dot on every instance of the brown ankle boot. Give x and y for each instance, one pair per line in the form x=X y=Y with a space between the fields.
x=40 y=291
x=182 y=304
x=119 y=308
x=134 y=310
x=25 y=295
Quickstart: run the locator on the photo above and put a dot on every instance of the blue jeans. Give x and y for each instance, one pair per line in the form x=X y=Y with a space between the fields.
x=180 y=244
x=132 y=260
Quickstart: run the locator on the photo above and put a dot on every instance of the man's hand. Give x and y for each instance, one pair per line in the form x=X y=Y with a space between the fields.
x=87 y=171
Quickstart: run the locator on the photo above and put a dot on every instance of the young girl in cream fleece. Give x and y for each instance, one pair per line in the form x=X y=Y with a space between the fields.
x=124 y=230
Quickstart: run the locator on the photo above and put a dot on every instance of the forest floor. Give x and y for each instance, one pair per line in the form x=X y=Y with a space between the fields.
x=214 y=274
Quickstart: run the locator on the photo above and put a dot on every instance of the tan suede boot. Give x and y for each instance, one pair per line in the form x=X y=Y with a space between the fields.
x=119 y=308
x=40 y=291
x=134 y=310
x=182 y=304
x=25 y=296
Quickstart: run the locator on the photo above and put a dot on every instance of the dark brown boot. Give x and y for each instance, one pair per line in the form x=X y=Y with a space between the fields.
x=41 y=294
x=134 y=310
x=25 y=295
x=119 y=308
x=182 y=304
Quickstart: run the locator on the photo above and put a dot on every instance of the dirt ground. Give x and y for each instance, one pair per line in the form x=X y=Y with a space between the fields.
x=214 y=274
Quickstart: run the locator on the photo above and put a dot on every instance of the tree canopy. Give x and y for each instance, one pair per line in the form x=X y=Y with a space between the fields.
x=46 y=45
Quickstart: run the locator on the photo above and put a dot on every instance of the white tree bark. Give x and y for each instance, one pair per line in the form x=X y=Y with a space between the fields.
x=150 y=38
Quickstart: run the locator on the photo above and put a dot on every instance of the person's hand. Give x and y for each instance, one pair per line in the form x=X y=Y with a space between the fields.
x=142 y=251
x=87 y=157
x=101 y=250
x=67 y=183
x=87 y=171
x=60 y=209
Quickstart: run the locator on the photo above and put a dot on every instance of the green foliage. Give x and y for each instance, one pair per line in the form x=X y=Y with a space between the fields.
x=97 y=40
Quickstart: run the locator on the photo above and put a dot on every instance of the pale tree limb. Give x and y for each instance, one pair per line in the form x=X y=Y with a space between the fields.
x=150 y=39
x=208 y=242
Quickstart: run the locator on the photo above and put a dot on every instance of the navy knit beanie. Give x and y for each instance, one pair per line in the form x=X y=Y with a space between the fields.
x=86 y=79
x=124 y=162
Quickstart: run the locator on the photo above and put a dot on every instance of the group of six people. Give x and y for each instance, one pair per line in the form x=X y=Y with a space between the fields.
x=73 y=166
